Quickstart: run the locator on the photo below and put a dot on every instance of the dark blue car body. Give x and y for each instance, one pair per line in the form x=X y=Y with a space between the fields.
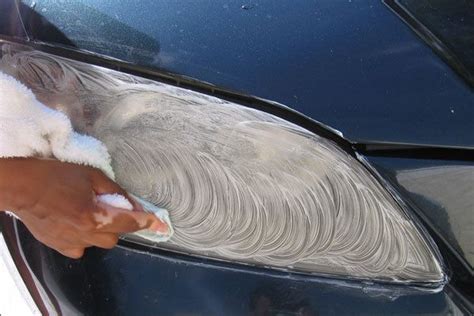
x=354 y=66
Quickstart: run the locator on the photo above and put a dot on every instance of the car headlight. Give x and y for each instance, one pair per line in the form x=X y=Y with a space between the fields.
x=241 y=185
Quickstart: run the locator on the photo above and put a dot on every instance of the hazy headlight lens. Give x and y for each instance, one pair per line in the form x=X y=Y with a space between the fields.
x=240 y=184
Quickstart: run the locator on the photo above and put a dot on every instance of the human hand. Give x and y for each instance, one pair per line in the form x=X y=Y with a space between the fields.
x=57 y=203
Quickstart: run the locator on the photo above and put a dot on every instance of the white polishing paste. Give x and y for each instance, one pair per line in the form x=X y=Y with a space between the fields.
x=115 y=200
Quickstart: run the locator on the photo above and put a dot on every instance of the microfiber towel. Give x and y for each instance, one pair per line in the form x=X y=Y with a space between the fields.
x=29 y=128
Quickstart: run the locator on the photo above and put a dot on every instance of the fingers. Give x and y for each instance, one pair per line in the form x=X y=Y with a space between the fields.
x=116 y=220
x=73 y=253
x=75 y=250
x=102 y=240
x=71 y=242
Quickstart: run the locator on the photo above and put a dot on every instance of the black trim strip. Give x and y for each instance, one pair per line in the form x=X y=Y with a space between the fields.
x=414 y=151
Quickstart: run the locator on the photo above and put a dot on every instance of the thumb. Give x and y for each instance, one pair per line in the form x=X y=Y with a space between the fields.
x=117 y=220
x=101 y=184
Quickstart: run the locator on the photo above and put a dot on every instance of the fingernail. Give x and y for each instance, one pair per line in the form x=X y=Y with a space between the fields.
x=159 y=226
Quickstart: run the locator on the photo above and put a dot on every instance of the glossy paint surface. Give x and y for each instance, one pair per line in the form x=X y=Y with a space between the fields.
x=351 y=65
x=124 y=282
x=452 y=22
x=443 y=190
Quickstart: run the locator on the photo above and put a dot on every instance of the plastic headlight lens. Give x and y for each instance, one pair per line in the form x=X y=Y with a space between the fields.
x=241 y=185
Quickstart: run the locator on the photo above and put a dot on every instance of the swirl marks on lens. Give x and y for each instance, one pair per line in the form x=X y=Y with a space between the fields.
x=240 y=184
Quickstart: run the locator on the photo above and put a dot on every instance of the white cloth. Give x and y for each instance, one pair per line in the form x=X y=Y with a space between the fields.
x=28 y=128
